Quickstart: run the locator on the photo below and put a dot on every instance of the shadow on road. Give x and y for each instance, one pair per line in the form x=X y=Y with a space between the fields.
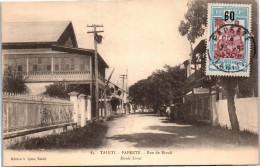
x=181 y=135
x=145 y=139
x=146 y=113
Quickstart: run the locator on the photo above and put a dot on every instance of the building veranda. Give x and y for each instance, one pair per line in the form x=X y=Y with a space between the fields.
x=46 y=53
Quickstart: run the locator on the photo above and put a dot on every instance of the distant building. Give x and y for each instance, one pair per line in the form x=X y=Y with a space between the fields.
x=116 y=98
x=47 y=52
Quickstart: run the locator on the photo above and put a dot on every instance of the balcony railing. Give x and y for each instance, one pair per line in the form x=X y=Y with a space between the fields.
x=47 y=76
x=56 y=76
x=56 y=72
x=191 y=78
x=194 y=77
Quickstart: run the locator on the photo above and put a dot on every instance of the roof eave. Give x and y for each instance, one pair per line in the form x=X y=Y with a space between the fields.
x=27 y=45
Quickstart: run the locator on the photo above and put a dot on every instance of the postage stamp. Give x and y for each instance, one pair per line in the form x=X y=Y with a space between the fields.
x=229 y=40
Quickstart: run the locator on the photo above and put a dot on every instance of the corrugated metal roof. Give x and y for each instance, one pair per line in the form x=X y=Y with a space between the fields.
x=23 y=32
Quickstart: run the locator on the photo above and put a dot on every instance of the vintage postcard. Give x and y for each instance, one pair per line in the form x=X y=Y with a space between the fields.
x=130 y=82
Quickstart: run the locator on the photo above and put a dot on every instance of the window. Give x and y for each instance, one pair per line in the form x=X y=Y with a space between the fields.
x=20 y=68
x=62 y=63
x=39 y=60
x=39 y=68
x=62 y=67
x=82 y=67
x=34 y=67
x=56 y=67
x=67 y=67
x=72 y=62
x=72 y=67
x=48 y=67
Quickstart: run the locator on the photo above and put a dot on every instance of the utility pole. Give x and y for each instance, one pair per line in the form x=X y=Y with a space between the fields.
x=127 y=93
x=97 y=39
x=123 y=76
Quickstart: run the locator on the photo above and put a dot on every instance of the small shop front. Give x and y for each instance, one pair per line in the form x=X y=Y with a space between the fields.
x=197 y=102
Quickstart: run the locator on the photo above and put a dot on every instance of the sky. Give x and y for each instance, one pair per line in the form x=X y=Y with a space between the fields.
x=139 y=36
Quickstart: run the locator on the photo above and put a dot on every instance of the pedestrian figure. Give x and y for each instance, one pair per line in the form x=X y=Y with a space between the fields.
x=168 y=112
x=160 y=111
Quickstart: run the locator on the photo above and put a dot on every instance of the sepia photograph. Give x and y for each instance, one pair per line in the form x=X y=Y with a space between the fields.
x=130 y=82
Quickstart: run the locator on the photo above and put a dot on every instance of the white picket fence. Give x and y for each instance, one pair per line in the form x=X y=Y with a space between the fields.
x=22 y=112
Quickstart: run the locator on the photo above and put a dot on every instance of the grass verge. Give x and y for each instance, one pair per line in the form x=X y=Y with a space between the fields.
x=90 y=136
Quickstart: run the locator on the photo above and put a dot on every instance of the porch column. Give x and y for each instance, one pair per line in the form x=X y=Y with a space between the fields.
x=203 y=107
x=105 y=104
x=52 y=64
x=196 y=106
x=82 y=105
x=214 y=110
x=74 y=99
x=27 y=65
x=101 y=104
x=89 y=115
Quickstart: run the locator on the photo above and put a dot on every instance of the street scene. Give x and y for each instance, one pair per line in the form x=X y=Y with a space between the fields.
x=155 y=82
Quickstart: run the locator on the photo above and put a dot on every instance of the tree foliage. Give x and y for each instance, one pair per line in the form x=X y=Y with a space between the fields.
x=162 y=87
x=14 y=81
x=62 y=89
x=195 y=20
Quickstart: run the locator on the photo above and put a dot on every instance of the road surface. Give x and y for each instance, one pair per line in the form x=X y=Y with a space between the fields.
x=150 y=131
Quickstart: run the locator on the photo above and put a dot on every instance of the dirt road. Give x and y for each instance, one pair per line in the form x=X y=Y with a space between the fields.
x=150 y=131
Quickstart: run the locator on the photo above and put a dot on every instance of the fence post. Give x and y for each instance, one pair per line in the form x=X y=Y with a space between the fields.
x=105 y=104
x=82 y=104
x=7 y=116
x=26 y=115
x=89 y=116
x=73 y=99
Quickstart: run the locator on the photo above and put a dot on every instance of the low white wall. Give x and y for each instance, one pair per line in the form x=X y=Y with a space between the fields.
x=247 y=113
